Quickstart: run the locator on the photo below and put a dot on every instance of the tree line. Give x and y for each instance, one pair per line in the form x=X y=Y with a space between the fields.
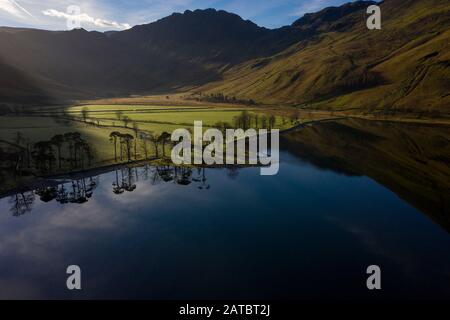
x=126 y=145
x=222 y=98
x=247 y=120
x=68 y=151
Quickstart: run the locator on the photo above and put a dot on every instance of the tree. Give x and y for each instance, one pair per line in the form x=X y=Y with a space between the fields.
x=58 y=141
x=222 y=126
x=247 y=120
x=71 y=138
x=154 y=139
x=43 y=155
x=79 y=148
x=264 y=122
x=77 y=144
x=164 y=138
x=119 y=115
x=272 y=122
x=87 y=152
x=127 y=140
x=84 y=114
x=145 y=137
x=126 y=120
x=136 y=132
x=113 y=137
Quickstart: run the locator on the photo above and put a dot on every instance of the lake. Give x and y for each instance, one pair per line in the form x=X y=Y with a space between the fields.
x=349 y=194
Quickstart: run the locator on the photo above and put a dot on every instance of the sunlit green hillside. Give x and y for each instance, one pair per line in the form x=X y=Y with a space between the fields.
x=403 y=67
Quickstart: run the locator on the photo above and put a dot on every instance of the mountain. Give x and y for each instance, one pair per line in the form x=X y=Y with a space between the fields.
x=201 y=35
x=403 y=67
x=327 y=59
x=180 y=50
x=332 y=18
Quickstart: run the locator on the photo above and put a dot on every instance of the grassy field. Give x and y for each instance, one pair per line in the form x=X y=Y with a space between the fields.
x=96 y=122
x=22 y=135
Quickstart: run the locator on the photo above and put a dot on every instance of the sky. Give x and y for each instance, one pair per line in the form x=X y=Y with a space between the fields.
x=102 y=15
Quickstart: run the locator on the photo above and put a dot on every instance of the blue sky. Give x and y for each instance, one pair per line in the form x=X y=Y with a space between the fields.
x=121 y=14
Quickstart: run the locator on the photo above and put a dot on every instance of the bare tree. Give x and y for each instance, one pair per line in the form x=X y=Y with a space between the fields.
x=119 y=115
x=126 y=120
x=85 y=114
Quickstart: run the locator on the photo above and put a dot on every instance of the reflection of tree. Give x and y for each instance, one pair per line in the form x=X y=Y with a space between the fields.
x=77 y=191
x=204 y=184
x=80 y=190
x=233 y=173
x=166 y=173
x=62 y=195
x=125 y=178
x=117 y=187
x=21 y=203
x=77 y=195
x=183 y=176
x=202 y=179
x=128 y=180
x=47 y=194
x=180 y=175
x=128 y=176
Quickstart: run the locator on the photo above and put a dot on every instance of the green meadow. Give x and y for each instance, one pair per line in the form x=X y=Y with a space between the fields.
x=96 y=122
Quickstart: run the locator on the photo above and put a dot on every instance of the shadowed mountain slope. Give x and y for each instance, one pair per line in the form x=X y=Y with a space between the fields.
x=182 y=50
x=327 y=59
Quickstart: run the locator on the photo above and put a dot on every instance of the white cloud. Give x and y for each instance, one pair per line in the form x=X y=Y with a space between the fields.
x=14 y=8
x=85 y=18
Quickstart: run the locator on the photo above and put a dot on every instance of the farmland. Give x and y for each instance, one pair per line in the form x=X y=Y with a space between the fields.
x=31 y=134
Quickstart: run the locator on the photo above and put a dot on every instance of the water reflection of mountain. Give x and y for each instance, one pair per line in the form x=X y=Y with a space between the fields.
x=80 y=189
x=411 y=160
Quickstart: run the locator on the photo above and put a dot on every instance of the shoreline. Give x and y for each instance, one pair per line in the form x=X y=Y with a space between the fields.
x=37 y=181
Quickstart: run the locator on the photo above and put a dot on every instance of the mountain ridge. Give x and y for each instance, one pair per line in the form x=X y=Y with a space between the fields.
x=402 y=68
x=212 y=51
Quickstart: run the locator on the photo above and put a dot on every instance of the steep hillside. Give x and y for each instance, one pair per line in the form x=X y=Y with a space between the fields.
x=327 y=60
x=405 y=66
x=182 y=50
x=80 y=64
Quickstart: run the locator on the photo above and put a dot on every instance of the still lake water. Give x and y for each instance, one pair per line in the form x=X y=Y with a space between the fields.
x=221 y=234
